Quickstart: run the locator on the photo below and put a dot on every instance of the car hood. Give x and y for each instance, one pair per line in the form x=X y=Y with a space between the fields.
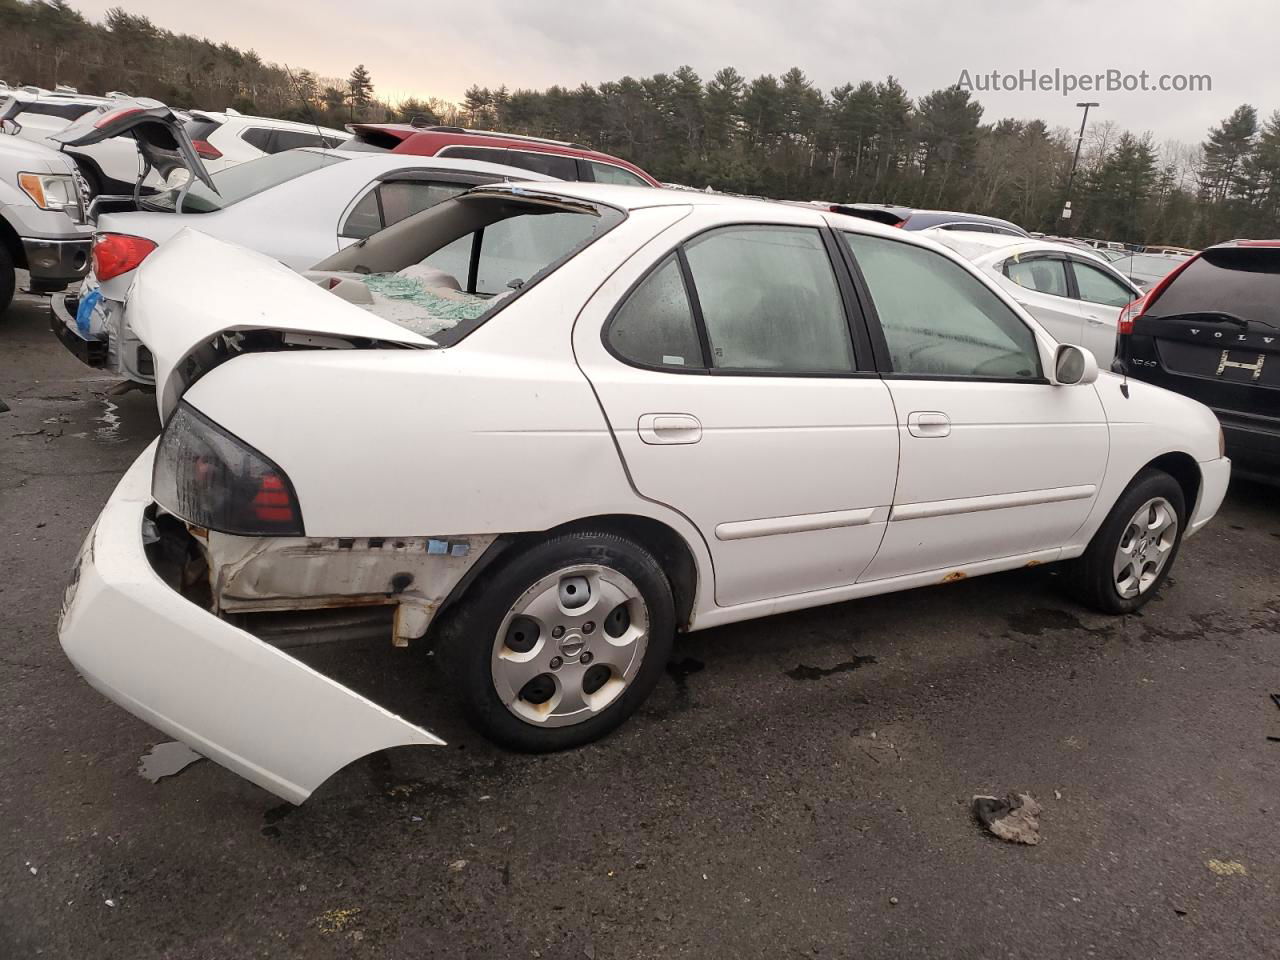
x=162 y=139
x=192 y=292
x=34 y=156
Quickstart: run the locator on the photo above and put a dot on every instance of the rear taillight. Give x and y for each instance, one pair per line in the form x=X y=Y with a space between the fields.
x=205 y=150
x=212 y=479
x=117 y=253
x=1133 y=311
x=111 y=116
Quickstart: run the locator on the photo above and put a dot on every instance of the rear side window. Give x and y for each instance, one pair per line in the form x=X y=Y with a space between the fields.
x=770 y=301
x=293 y=139
x=1041 y=274
x=562 y=168
x=1244 y=281
x=201 y=129
x=259 y=137
x=938 y=319
x=655 y=326
x=608 y=173
x=488 y=154
x=392 y=201
x=1096 y=287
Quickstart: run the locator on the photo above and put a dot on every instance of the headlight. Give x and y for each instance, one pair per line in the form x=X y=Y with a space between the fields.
x=50 y=191
x=212 y=479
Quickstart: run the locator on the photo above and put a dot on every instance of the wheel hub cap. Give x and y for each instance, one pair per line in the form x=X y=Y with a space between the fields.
x=579 y=633
x=1145 y=547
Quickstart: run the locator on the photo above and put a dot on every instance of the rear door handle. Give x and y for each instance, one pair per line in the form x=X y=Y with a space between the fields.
x=928 y=423
x=1096 y=321
x=670 y=428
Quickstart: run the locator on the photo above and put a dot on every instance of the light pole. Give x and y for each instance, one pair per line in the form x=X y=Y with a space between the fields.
x=1066 y=206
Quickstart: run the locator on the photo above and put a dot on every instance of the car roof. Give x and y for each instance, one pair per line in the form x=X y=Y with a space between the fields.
x=974 y=245
x=223 y=117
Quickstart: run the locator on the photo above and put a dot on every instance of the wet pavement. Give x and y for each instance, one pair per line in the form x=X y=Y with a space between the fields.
x=796 y=787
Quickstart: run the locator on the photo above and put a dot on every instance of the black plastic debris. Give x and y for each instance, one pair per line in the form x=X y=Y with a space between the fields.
x=1012 y=818
x=4 y=407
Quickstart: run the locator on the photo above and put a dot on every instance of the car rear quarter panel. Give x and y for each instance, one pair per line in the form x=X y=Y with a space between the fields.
x=501 y=433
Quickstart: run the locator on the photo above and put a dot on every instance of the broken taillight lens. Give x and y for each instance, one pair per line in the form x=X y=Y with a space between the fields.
x=117 y=253
x=213 y=479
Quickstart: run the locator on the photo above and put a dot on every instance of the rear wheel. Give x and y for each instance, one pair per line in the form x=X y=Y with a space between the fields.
x=8 y=279
x=563 y=642
x=1134 y=550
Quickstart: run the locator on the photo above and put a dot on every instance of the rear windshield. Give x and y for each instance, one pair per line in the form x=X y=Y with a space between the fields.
x=443 y=272
x=201 y=129
x=1244 y=281
x=243 y=181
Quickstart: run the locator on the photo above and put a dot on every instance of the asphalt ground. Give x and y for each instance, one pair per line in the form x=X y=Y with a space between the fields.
x=798 y=786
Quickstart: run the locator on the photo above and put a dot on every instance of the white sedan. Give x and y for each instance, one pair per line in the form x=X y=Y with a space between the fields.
x=608 y=415
x=1073 y=292
x=298 y=206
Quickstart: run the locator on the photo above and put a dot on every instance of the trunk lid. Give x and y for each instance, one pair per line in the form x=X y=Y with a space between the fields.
x=160 y=134
x=197 y=302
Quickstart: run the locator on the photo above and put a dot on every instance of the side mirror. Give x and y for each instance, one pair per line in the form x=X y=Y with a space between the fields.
x=1073 y=365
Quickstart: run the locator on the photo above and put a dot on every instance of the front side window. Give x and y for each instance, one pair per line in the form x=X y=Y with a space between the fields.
x=1096 y=287
x=608 y=173
x=938 y=319
x=1041 y=274
x=770 y=301
x=655 y=326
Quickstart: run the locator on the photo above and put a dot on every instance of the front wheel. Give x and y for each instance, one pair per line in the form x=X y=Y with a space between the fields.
x=1134 y=550
x=563 y=642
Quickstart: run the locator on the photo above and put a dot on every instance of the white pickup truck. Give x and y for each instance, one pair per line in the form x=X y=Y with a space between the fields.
x=42 y=218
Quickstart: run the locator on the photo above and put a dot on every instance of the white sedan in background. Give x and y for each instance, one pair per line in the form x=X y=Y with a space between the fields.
x=617 y=413
x=1075 y=293
x=298 y=206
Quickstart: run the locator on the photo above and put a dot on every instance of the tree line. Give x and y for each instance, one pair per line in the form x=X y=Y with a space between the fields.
x=777 y=136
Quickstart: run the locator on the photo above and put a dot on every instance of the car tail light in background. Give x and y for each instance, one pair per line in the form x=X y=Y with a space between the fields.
x=212 y=479
x=111 y=116
x=205 y=150
x=117 y=253
x=1140 y=306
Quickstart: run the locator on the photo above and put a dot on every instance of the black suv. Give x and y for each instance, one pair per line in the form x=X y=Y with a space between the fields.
x=1211 y=330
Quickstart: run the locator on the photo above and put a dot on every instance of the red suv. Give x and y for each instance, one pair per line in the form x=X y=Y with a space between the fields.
x=564 y=161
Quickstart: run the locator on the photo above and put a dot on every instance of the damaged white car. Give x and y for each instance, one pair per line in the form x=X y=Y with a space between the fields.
x=549 y=426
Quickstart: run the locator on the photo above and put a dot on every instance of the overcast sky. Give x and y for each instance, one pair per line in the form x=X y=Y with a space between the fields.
x=438 y=49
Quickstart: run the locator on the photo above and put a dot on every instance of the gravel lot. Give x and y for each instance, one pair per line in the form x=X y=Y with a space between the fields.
x=799 y=786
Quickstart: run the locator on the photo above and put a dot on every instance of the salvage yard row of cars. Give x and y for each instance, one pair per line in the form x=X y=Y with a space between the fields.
x=567 y=414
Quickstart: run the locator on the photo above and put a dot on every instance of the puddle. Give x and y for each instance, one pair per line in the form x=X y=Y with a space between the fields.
x=109 y=431
x=166 y=760
x=1033 y=623
x=805 y=672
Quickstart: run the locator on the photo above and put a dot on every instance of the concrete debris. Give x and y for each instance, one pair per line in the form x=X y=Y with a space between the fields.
x=1012 y=819
x=458 y=866
x=166 y=760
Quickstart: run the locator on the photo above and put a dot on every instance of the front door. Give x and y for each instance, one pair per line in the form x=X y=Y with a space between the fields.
x=728 y=371
x=996 y=461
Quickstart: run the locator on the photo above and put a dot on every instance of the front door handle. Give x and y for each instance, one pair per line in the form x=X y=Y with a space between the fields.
x=670 y=428
x=928 y=423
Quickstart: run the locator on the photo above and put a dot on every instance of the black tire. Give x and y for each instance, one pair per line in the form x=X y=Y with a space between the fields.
x=469 y=637
x=1091 y=576
x=8 y=279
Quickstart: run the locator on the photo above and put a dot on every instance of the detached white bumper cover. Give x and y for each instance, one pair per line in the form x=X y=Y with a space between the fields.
x=220 y=690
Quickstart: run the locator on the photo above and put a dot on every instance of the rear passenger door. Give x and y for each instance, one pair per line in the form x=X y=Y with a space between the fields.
x=741 y=396
x=996 y=461
x=1042 y=284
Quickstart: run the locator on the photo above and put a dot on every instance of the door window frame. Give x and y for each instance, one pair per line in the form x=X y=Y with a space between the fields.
x=855 y=321
x=875 y=330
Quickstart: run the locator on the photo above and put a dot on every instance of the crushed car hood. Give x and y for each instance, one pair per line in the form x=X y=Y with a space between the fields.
x=196 y=299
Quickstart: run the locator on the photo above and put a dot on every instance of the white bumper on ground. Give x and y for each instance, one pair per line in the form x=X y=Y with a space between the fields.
x=1215 y=475
x=220 y=690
